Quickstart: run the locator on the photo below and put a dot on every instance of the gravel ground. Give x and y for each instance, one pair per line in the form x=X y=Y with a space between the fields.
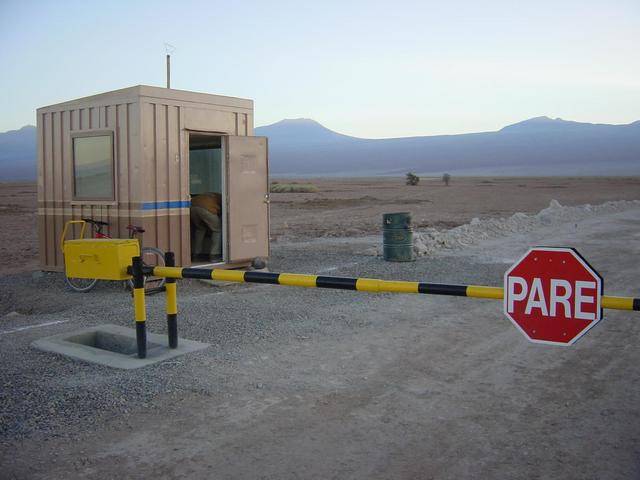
x=303 y=383
x=44 y=394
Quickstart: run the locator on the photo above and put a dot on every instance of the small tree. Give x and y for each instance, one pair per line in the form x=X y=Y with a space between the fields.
x=446 y=178
x=412 y=179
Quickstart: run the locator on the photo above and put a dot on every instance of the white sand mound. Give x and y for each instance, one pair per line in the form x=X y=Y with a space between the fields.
x=429 y=240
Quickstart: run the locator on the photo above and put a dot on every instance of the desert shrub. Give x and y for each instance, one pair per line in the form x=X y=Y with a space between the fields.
x=446 y=178
x=412 y=179
x=293 y=188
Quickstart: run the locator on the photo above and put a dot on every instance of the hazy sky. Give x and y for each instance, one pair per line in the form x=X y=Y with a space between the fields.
x=368 y=68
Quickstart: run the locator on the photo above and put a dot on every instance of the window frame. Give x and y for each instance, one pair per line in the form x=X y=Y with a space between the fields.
x=75 y=200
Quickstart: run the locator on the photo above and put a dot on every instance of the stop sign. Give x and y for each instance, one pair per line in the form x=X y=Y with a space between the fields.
x=552 y=295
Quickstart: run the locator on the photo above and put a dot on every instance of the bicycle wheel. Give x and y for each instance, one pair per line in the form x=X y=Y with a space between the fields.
x=80 y=285
x=151 y=257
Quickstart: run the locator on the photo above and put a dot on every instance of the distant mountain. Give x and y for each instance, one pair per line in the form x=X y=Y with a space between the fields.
x=301 y=131
x=18 y=154
x=538 y=146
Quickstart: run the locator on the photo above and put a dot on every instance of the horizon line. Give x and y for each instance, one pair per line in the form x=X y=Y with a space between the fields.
x=541 y=117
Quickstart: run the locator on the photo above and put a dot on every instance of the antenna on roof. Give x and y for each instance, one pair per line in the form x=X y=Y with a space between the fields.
x=169 y=49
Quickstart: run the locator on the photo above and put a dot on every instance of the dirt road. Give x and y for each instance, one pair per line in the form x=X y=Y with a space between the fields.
x=327 y=384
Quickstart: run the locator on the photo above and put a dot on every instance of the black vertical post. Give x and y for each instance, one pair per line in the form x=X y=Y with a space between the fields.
x=172 y=302
x=139 y=306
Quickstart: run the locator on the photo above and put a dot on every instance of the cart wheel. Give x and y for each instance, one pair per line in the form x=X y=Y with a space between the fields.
x=80 y=285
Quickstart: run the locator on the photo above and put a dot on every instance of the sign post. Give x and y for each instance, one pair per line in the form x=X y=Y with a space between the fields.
x=552 y=295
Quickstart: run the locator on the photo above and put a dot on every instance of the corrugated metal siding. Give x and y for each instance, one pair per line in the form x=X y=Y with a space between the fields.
x=55 y=174
x=165 y=172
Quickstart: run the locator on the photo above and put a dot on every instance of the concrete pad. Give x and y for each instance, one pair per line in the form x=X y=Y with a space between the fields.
x=114 y=346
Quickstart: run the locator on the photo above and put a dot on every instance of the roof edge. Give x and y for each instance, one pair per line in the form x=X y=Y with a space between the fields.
x=149 y=91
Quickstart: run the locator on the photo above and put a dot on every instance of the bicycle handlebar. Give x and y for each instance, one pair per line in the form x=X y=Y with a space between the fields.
x=95 y=222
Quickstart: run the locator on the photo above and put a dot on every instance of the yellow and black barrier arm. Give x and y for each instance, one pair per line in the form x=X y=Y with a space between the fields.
x=359 y=284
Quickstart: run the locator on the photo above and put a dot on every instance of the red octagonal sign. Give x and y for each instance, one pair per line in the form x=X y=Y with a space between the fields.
x=553 y=295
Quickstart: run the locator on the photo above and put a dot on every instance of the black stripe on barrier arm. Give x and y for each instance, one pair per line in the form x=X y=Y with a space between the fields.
x=199 y=273
x=443 y=289
x=261 y=277
x=336 y=282
x=636 y=304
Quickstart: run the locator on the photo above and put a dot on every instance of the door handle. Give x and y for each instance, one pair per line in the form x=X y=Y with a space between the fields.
x=266 y=199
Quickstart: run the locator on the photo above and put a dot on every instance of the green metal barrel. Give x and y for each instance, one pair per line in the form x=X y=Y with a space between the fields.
x=397 y=236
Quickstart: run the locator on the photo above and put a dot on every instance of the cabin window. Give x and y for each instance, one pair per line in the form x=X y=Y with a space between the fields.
x=93 y=166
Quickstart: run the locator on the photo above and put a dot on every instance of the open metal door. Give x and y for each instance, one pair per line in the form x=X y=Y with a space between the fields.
x=247 y=186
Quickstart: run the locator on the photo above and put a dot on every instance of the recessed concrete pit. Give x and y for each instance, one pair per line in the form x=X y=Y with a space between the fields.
x=106 y=341
x=114 y=346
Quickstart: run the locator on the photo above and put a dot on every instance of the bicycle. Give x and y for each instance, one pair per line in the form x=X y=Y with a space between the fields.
x=151 y=256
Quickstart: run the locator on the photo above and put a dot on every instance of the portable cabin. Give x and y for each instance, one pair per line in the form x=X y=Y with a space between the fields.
x=136 y=156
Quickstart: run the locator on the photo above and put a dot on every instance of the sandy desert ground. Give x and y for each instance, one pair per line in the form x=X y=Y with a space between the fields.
x=354 y=206
x=323 y=384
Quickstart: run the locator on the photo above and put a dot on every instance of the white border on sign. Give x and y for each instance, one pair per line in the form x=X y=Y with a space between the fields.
x=588 y=267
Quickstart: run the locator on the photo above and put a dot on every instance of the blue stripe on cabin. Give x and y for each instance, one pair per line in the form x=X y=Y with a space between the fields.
x=161 y=205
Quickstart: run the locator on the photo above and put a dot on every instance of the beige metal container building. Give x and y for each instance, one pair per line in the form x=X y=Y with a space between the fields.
x=137 y=156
